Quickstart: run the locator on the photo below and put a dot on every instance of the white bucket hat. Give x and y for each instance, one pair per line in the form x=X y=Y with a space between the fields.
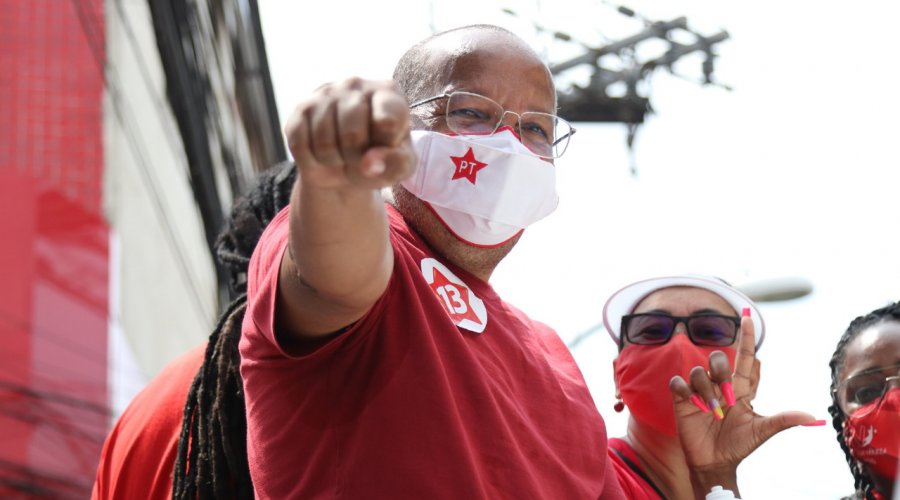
x=626 y=299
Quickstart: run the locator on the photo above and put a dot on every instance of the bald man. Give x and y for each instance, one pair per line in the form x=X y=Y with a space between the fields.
x=377 y=360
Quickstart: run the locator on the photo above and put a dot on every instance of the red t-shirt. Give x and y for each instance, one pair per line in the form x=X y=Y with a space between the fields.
x=406 y=404
x=628 y=470
x=139 y=454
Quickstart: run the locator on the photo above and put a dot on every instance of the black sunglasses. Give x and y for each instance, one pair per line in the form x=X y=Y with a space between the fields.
x=716 y=330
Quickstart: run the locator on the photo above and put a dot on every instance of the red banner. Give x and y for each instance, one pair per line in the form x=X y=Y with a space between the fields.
x=54 y=266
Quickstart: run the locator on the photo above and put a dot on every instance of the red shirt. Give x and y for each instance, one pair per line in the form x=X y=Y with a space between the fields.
x=631 y=477
x=139 y=454
x=406 y=404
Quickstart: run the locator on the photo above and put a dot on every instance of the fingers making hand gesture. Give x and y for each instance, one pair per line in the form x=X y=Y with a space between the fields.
x=716 y=422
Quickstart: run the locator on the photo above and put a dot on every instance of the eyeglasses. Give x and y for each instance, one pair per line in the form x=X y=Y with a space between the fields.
x=546 y=135
x=857 y=393
x=716 y=330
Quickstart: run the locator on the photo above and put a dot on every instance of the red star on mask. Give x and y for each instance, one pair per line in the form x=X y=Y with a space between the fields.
x=467 y=166
x=455 y=298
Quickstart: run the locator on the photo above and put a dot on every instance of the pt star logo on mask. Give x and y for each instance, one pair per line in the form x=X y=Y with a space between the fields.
x=467 y=166
x=466 y=310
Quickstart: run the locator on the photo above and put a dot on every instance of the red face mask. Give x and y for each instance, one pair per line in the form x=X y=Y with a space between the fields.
x=874 y=437
x=643 y=372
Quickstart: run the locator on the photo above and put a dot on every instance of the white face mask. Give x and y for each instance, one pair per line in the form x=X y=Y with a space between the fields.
x=485 y=189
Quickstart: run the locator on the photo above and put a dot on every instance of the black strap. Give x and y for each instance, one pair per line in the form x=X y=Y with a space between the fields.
x=633 y=466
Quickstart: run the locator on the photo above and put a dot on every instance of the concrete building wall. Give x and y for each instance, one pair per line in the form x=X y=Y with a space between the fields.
x=164 y=279
x=189 y=119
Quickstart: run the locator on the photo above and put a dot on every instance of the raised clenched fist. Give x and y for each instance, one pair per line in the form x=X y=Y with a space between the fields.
x=352 y=134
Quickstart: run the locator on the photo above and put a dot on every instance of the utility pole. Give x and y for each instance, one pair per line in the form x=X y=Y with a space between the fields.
x=595 y=103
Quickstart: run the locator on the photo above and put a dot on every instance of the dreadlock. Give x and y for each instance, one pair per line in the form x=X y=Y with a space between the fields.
x=249 y=218
x=212 y=448
x=861 y=481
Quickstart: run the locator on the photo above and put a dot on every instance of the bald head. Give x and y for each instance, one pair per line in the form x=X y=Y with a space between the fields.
x=431 y=65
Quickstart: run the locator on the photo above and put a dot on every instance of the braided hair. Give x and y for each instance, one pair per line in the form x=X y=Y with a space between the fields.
x=862 y=483
x=249 y=217
x=211 y=461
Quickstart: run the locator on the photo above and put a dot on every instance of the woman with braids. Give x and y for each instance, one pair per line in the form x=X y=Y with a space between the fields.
x=865 y=392
x=190 y=417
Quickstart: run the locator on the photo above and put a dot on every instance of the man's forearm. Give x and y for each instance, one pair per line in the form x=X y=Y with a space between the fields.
x=339 y=242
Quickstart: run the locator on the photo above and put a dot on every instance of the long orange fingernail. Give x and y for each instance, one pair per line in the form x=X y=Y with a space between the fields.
x=716 y=409
x=728 y=392
x=699 y=403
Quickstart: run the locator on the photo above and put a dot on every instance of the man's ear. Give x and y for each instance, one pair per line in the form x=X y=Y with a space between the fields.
x=754 y=379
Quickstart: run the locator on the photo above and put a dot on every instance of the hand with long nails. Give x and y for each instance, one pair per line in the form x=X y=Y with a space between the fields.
x=715 y=438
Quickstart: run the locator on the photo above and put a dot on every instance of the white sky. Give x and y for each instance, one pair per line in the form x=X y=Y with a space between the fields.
x=794 y=173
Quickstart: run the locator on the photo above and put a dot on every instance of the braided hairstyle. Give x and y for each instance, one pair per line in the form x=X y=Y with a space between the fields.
x=212 y=450
x=862 y=483
x=249 y=217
